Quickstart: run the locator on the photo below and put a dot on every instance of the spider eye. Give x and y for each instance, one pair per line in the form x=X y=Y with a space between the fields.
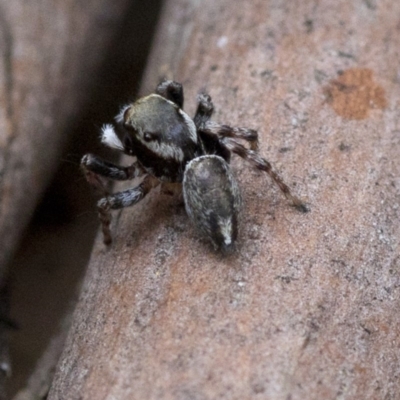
x=149 y=136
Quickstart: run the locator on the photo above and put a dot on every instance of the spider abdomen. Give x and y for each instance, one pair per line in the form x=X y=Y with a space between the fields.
x=212 y=199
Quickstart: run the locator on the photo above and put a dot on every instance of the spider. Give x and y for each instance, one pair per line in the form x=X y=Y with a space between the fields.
x=170 y=147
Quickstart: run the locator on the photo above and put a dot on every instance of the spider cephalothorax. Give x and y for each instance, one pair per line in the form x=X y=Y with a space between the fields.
x=171 y=147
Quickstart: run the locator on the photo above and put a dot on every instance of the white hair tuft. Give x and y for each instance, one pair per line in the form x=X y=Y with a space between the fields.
x=110 y=138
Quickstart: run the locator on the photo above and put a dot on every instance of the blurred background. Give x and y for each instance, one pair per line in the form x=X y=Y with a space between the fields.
x=42 y=281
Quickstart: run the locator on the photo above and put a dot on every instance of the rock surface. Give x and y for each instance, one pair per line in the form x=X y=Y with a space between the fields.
x=307 y=308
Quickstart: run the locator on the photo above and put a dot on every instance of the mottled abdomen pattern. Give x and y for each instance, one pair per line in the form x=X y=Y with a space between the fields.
x=212 y=199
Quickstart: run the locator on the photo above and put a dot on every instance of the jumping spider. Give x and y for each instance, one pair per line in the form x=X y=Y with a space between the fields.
x=170 y=147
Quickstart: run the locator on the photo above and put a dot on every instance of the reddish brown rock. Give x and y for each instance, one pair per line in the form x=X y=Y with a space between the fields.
x=308 y=306
x=354 y=93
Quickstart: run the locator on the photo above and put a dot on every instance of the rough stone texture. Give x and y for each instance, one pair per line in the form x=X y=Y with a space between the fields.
x=308 y=306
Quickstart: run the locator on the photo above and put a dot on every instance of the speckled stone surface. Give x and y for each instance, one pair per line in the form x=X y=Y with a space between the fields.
x=307 y=308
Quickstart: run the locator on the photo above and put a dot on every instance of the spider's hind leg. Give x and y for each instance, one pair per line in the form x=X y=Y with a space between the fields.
x=263 y=165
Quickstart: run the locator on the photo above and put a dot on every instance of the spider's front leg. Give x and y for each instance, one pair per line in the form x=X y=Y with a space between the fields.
x=95 y=167
x=263 y=165
x=120 y=200
x=205 y=109
x=172 y=91
x=202 y=121
x=233 y=132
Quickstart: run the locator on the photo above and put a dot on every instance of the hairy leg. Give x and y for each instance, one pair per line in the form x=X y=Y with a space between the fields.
x=95 y=167
x=202 y=121
x=234 y=132
x=263 y=165
x=205 y=109
x=172 y=91
x=120 y=200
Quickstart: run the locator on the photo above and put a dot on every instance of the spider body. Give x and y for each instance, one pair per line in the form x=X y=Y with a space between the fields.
x=161 y=135
x=171 y=147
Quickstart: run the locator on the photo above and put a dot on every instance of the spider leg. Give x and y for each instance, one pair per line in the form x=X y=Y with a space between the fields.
x=95 y=167
x=120 y=200
x=172 y=91
x=263 y=165
x=212 y=144
x=204 y=111
x=234 y=132
x=202 y=121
